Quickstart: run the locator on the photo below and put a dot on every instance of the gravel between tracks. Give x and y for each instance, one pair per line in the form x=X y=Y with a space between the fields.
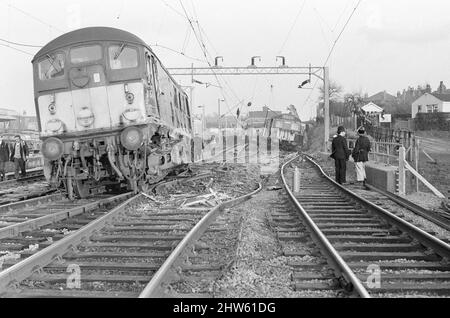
x=260 y=270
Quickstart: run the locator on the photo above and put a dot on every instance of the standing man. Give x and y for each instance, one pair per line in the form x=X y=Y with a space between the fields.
x=19 y=155
x=340 y=154
x=360 y=155
x=4 y=158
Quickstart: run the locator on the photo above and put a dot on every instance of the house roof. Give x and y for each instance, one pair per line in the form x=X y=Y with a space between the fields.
x=371 y=107
x=380 y=96
x=5 y=118
x=442 y=97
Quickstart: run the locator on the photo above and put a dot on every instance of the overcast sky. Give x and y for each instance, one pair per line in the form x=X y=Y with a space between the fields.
x=387 y=45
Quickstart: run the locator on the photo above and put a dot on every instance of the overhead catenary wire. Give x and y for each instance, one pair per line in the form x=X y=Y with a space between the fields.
x=173 y=9
x=342 y=31
x=202 y=32
x=340 y=16
x=205 y=53
x=14 y=48
x=21 y=44
x=120 y=10
x=178 y=52
x=292 y=27
x=186 y=39
x=332 y=48
x=35 y=18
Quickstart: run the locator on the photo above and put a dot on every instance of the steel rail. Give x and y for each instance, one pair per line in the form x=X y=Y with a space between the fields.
x=20 y=271
x=333 y=257
x=35 y=173
x=35 y=201
x=427 y=214
x=16 y=229
x=438 y=246
x=153 y=288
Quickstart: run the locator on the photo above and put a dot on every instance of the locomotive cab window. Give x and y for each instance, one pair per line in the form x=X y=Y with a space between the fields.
x=51 y=67
x=85 y=54
x=122 y=56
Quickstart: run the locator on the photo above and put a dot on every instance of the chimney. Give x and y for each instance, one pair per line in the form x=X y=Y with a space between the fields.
x=441 y=87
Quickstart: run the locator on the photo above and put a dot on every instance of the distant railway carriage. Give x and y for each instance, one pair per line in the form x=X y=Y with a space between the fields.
x=108 y=111
x=288 y=129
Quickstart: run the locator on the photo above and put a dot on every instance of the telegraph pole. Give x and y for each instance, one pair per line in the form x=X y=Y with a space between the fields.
x=218 y=109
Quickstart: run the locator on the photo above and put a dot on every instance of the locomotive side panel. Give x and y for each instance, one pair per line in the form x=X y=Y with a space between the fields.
x=164 y=95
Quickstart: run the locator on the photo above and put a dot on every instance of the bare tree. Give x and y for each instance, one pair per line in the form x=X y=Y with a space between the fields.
x=334 y=90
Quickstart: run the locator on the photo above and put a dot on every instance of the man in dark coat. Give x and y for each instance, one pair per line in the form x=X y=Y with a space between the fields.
x=360 y=155
x=340 y=154
x=19 y=155
x=4 y=157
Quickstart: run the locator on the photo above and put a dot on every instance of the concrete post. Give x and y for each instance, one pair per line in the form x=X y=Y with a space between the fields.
x=235 y=148
x=401 y=171
x=257 y=148
x=388 y=149
x=224 y=146
x=416 y=159
x=247 y=149
x=296 y=180
x=326 y=101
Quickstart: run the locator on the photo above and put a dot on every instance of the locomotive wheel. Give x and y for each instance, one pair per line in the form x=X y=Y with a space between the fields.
x=81 y=189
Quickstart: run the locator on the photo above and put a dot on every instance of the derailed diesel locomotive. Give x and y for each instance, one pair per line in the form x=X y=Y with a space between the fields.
x=108 y=112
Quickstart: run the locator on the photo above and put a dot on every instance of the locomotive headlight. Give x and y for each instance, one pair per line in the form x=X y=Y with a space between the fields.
x=52 y=148
x=131 y=138
x=131 y=114
x=54 y=125
x=85 y=117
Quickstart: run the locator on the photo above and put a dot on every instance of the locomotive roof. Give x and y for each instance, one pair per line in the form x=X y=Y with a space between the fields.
x=89 y=34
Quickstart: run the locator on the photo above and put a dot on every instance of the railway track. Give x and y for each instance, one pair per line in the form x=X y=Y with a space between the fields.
x=374 y=251
x=26 y=230
x=32 y=186
x=33 y=175
x=440 y=217
x=116 y=254
x=311 y=275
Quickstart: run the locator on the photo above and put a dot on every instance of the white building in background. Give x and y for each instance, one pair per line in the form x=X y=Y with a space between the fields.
x=431 y=103
x=372 y=108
